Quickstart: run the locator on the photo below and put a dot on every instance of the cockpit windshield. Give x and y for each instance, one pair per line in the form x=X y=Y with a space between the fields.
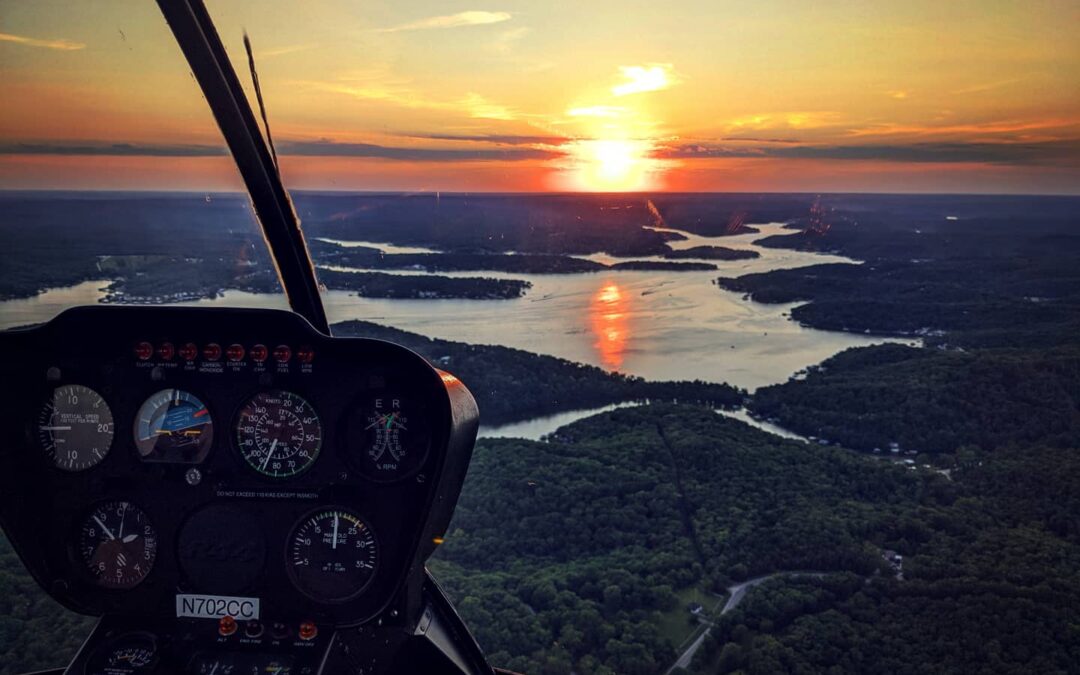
x=115 y=182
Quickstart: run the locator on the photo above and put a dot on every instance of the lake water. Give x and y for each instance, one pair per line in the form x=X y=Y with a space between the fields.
x=660 y=325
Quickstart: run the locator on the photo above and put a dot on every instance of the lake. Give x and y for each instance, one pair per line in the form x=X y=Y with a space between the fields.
x=660 y=325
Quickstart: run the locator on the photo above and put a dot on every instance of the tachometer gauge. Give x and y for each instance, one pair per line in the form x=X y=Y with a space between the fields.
x=174 y=426
x=279 y=434
x=388 y=438
x=131 y=653
x=75 y=427
x=332 y=555
x=118 y=544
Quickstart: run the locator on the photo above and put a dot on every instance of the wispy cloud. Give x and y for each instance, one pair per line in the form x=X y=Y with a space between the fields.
x=985 y=86
x=505 y=41
x=330 y=148
x=281 y=51
x=597 y=111
x=497 y=139
x=110 y=149
x=1028 y=129
x=898 y=94
x=479 y=107
x=783 y=120
x=650 y=77
x=1054 y=152
x=396 y=92
x=469 y=18
x=62 y=45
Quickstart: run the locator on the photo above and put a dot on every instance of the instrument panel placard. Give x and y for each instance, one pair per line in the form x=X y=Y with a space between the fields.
x=216 y=607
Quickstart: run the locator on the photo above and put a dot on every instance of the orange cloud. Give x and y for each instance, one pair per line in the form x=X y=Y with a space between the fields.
x=62 y=45
x=469 y=18
x=640 y=79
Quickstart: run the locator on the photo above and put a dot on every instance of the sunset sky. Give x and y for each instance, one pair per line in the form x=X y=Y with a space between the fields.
x=763 y=95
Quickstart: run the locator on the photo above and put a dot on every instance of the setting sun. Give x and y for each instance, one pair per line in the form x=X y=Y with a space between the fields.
x=613 y=165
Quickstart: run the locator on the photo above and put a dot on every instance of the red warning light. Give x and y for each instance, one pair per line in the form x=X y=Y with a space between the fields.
x=305 y=354
x=166 y=351
x=259 y=353
x=144 y=350
x=189 y=351
x=308 y=630
x=212 y=351
x=227 y=626
x=235 y=352
x=282 y=353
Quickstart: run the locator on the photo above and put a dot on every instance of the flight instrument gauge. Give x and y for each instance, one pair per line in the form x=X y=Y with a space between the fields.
x=118 y=545
x=332 y=555
x=174 y=426
x=130 y=653
x=75 y=427
x=278 y=434
x=388 y=438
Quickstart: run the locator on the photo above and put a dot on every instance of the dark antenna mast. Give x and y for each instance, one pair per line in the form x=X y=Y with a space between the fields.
x=259 y=97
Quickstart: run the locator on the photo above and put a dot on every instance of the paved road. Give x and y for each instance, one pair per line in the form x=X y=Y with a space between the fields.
x=736 y=594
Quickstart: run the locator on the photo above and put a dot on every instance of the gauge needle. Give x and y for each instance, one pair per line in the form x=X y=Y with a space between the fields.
x=390 y=420
x=269 y=454
x=55 y=428
x=130 y=538
x=333 y=546
x=123 y=514
x=98 y=521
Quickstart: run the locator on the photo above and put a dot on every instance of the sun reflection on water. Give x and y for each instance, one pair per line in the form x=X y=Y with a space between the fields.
x=609 y=315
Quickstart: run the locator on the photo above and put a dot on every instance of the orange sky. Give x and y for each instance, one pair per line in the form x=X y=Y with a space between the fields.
x=773 y=95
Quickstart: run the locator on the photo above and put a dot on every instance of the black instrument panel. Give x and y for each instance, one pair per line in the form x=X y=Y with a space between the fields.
x=154 y=454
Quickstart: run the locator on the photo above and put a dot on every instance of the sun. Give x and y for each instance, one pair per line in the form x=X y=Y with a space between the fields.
x=611 y=165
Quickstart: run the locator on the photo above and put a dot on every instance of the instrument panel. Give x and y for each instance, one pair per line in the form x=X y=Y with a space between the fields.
x=156 y=455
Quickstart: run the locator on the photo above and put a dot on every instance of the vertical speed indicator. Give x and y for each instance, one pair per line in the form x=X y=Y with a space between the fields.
x=75 y=427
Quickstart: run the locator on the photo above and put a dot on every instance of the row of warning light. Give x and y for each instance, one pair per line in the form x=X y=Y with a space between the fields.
x=189 y=351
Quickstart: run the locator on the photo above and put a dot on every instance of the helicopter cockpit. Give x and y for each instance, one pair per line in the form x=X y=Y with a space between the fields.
x=234 y=490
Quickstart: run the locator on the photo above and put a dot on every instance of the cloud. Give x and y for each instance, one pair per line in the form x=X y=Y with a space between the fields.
x=479 y=107
x=111 y=149
x=471 y=104
x=469 y=18
x=497 y=139
x=597 y=111
x=505 y=41
x=898 y=94
x=62 y=45
x=639 y=79
x=281 y=51
x=985 y=86
x=807 y=119
x=1018 y=127
x=1053 y=152
x=329 y=148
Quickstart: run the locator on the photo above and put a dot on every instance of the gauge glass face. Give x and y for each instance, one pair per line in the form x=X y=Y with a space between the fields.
x=174 y=426
x=278 y=434
x=133 y=653
x=118 y=545
x=75 y=427
x=332 y=555
x=388 y=438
